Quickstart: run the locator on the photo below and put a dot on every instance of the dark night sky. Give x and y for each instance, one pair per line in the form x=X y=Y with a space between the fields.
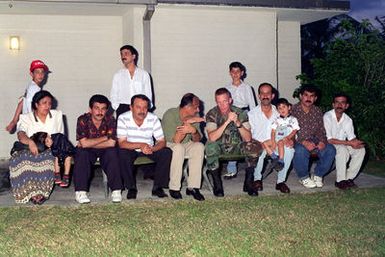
x=367 y=9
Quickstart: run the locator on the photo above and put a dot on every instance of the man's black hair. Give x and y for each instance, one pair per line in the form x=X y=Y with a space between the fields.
x=341 y=94
x=282 y=101
x=265 y=84
x=310 y=89
x=98 y=99
x=140 y=96
x=133 y=52
x=187 y=99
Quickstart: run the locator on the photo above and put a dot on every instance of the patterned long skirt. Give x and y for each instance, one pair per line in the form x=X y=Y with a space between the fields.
x=31 y=175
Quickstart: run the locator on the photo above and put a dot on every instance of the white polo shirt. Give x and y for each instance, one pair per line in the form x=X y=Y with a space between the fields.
x=30 y=91
x=151 y=127
x=340 y=130
x=30 y=123
x=124 y=87
x=242 y=95
x=260 y=124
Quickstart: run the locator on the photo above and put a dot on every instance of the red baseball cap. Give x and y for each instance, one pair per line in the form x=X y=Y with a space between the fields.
x=38 y=64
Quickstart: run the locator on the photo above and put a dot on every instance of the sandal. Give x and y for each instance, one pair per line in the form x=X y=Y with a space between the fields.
x=57 y=178
x=65 y=182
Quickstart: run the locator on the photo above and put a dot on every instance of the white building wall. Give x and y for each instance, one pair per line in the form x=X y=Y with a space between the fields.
x=193 y=46
x=289 y=58
x=81 y=51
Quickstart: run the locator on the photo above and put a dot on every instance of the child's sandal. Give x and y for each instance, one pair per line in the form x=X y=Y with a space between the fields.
x=65 y=182
x=57 y=178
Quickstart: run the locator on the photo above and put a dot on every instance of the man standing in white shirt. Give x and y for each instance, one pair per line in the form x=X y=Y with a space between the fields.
x=38 y=71
x=261 y=119
x=340 y=132
x=129 y=81
x=243 y=98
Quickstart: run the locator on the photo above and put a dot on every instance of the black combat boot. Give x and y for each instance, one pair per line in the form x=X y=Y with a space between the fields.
x=248 y=184
x=217 y=182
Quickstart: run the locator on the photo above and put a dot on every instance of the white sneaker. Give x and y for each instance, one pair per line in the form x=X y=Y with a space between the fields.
x=81 y=197
x=318 y=181
x=116 y=196
x=308 y=183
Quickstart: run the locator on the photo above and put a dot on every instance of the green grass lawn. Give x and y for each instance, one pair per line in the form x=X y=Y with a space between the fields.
x=321 y=224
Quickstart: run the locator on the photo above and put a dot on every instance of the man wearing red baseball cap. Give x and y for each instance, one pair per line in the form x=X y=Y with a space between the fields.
x=38 y=71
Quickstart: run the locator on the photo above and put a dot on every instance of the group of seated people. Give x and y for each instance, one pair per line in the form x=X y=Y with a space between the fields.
x=283 y=133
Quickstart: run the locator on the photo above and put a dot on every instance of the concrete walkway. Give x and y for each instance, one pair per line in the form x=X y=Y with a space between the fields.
x=232 y=187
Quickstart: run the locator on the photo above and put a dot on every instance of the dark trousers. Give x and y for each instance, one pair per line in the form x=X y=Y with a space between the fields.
x=109 y=161
x=162 y=159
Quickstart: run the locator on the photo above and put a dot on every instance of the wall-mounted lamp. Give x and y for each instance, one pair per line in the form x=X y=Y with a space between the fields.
x=14 y=42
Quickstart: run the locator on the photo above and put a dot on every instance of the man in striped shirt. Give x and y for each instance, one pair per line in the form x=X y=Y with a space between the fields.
x=136 y=132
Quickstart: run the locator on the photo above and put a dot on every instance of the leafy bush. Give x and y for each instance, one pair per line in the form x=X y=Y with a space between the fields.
x=354 y=63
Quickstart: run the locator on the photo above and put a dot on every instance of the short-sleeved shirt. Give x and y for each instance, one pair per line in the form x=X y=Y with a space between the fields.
x=151 y=127
x=170 y=121
x=31 y=124
x=311 y=123
x=283 y=126
x=242 y=95
x=342 y=129
x=260 y=124
x=230 y=135
x=85 y=128
x=30 y=91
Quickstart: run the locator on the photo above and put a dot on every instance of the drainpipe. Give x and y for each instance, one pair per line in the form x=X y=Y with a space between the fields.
x=147 y=37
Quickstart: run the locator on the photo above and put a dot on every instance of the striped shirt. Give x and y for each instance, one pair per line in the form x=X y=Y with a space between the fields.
x=150 y=129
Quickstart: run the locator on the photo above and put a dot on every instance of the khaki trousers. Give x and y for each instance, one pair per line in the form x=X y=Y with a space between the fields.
x=195 y=153
x=343 y=154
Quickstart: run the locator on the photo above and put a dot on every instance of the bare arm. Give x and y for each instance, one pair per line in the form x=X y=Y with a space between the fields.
x=15 y=118
x=215 y=134
x=123 y=143
x=159 y=145
x=355 y=143
x=23 y=138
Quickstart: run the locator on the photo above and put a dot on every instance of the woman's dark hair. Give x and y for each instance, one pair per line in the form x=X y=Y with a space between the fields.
x=187 y=99
x=40 y=95
x=99 y=99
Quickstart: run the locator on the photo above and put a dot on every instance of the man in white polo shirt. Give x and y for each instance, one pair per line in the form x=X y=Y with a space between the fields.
x=261 y=118
x=136 y=130
x=340 y=132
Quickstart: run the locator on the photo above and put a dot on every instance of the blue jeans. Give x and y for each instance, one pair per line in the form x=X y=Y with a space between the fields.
x=282 y=174
x=302 y=156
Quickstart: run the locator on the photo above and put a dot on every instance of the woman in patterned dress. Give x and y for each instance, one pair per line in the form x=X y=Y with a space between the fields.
x=31 y=172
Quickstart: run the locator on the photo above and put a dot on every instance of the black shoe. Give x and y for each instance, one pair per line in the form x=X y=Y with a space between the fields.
x=159 y=193
x=131 y=193
x=282 y=187
x=175 y=194
x=195 y=193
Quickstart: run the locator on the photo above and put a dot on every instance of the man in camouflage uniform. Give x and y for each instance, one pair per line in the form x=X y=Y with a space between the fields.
x=228 y=132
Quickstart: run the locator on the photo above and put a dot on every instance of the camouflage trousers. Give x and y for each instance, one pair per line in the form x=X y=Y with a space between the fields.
x=251 y=150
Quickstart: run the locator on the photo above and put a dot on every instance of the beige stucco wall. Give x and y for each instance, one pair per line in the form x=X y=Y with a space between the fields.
x=192 y=47
x=81 y=51
x=289 y=58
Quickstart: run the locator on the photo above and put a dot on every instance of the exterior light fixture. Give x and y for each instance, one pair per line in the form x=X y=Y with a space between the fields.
x=14 y=42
